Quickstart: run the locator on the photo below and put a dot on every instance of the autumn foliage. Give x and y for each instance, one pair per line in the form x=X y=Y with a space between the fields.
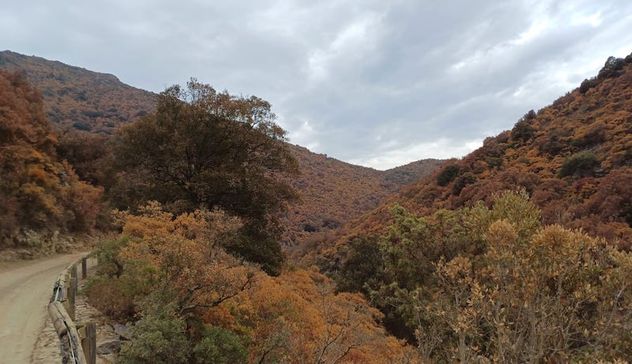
x=333 y=193
x=171 y=275
x=492 y=284
x=78 y=99
x=38 y=191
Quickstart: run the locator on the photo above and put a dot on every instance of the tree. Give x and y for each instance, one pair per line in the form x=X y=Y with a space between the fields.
x=580 y=164
x=448 y=174
x=208 y=149
x=523 y=131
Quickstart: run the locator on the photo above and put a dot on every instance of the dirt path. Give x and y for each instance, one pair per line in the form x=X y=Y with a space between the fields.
x=25 y=288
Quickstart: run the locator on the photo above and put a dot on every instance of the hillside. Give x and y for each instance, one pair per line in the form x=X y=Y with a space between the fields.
x=333 y=192
x=38 y=192
x=86 y=107
x=574 y=158
x=78 y=98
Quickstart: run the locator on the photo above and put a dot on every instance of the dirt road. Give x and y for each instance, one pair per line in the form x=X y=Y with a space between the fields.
x=25 y=288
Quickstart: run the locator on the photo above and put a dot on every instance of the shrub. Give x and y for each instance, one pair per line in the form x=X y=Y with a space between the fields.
x=462 y=181
x=596 y=135
x=448 y=174
x=220 y=346
x=523 y=130
x=580 y=164
x=587 y=84
x=612 y=68
x=158 y=337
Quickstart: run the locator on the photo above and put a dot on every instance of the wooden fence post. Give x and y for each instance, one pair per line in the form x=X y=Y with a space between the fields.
x=84 y=268
x=89 y=343
x=72 y=291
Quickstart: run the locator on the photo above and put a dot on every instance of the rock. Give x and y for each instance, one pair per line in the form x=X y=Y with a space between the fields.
x=122 y=331
x=108 y=347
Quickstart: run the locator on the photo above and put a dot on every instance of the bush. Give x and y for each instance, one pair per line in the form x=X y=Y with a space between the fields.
x=587 y=84
x=582 y=164
x=220 y=346
x=612 y=68
x=596 y=135
x=461 y=182
x=523 y=130
x=493 y=285
x=448 y=174
x=158 y=337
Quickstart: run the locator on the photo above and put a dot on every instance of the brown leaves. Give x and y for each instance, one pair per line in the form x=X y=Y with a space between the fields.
x=45 y=193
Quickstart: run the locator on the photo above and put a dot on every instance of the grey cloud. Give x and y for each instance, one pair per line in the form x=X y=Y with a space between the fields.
x=378 y=83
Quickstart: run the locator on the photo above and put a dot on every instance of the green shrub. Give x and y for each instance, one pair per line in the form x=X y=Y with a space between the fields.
x=580 y=164
x=220 y=346
x=158 y=337
x=363 y=266
x=523 y=130
x=448 y=174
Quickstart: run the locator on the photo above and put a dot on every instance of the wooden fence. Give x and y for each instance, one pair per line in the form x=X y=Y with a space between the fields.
x=78 y=343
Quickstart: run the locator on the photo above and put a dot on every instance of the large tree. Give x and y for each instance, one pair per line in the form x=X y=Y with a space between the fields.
x=204 y=148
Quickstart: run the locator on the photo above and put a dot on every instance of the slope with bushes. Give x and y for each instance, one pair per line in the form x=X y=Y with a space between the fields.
x=76 y=98
x=574 y=158
x=332 y=193
x=40 y=195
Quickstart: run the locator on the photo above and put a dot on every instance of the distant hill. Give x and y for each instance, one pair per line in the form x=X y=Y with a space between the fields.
x=78 y=98
x=574 y=158
x=334 y=192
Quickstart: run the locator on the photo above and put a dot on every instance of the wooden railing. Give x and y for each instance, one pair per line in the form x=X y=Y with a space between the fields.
x=78 y=344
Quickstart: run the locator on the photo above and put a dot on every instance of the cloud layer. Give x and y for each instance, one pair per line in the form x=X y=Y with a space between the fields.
x=377 y=83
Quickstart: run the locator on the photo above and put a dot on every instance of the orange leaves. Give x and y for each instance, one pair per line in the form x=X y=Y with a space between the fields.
x=295 y=317
x=46 y=193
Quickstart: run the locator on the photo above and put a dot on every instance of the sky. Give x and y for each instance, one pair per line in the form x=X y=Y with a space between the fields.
x=375 y=83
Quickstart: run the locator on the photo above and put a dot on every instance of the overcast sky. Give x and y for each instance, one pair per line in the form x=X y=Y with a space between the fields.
x=376 y=83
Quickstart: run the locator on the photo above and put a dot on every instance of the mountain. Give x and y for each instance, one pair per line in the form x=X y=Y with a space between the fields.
x=574 y=158
x=78 y=98
x=333 y=192
x=87 y=107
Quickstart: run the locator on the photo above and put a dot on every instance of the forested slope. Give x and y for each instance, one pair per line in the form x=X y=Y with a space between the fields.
x=574 y=158
x=78 y=98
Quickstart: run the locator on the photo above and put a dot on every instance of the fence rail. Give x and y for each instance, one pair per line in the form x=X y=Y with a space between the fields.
x=78 y=344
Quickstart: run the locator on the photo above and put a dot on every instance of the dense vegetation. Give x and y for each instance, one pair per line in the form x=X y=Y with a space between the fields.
x=87 y=108
x=332 y=193
x=75 y=98
x=194 y=303
x=203 y=181
x=39 y=193
x=492 y=285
